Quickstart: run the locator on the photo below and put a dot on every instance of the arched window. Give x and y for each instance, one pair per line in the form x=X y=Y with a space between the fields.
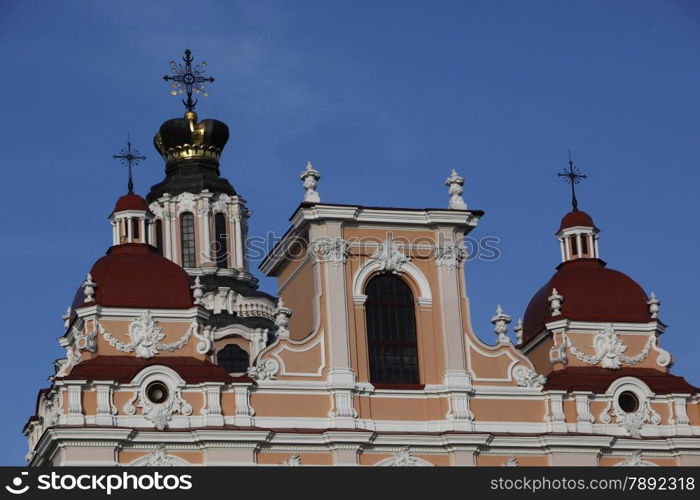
x=187 y=240
x=159 y=236
x=221 y=238
x=233 y=359
x=391 y=331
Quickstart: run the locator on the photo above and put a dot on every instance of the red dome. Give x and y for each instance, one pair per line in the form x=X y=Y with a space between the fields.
x=130 y=201
x=576 y=218
x=591 y=293
x=134 y=275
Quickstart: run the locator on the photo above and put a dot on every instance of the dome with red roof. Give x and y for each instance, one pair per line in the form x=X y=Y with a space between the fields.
x=591 y=292
x=131 y=201
x=576 y=218
x=134 y=275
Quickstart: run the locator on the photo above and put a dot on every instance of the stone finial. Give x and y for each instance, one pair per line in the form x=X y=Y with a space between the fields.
x=519 y=332
x=197 y=291
x=89 y=288
x=282 y=315
x=66 y=317
x=555 y=301
x=310 y=176
x=500 y=325
x=456 y=188
x=654 y=305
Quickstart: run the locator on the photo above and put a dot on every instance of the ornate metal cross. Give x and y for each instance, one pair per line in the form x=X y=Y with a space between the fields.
x=573 y=176
x=188 y=79
x=130 y=157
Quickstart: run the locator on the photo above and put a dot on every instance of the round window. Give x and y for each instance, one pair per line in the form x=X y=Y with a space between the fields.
x=157 y=392
x=628 y=402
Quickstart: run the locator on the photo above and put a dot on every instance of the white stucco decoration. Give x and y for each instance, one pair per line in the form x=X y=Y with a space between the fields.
x=500 y=325
x=403 y=458
x=389 y=257
x=159 y=457
x=293 y=461
x=455 y=183
x=89 y=288
x=636 y=460
x=555 y=301
x=282 y=315
x=654 y=305
x=511 y=462
x=609 y=350
x=373 y=266
x=310 y=177
x=527 y=377
x=266 y=369
x=145 y=337
x=450 y=256
x=333 y=250
x=632 y=422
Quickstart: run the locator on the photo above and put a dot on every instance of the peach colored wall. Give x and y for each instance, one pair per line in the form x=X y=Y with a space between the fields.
x=491 y=367
x=228 y=403
x=307 y=361
x=570 y=412
x=504 y=410
x=120 y=399
x=540 y=356
x=299 y=296
x=693 y=411
x=89 y=402
x=395 y=408
x=293 y=262
x=296 y=405
x=596 y=407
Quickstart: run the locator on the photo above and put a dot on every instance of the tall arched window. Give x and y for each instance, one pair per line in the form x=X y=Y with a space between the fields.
x=221 y=238
x=391 y=331
x=159 y=236
x=187 y=240
x=233 y=359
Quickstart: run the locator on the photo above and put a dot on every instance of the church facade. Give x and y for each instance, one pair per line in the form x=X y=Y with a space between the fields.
x=365 y=355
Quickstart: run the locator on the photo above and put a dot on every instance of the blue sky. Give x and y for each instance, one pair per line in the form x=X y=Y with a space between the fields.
x=385 y=97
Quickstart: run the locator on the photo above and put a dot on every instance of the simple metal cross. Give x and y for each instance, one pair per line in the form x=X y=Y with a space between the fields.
x=572 y=176
x=188 y=80
x=130 y=157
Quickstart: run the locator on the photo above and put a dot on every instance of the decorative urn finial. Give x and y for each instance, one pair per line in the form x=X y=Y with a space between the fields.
x=310 y=176
x=519 y=332
x=654 y=305
x=197 y=290
x=89 y=288
x=456 y=188
x=555 y=301
x=500 y=325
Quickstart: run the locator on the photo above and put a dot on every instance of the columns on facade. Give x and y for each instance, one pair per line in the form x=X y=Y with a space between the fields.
x=341 y=376
x=205 y=225
x=449 y=257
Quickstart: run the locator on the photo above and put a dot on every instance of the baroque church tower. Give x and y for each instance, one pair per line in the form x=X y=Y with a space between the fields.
x=368 y=356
